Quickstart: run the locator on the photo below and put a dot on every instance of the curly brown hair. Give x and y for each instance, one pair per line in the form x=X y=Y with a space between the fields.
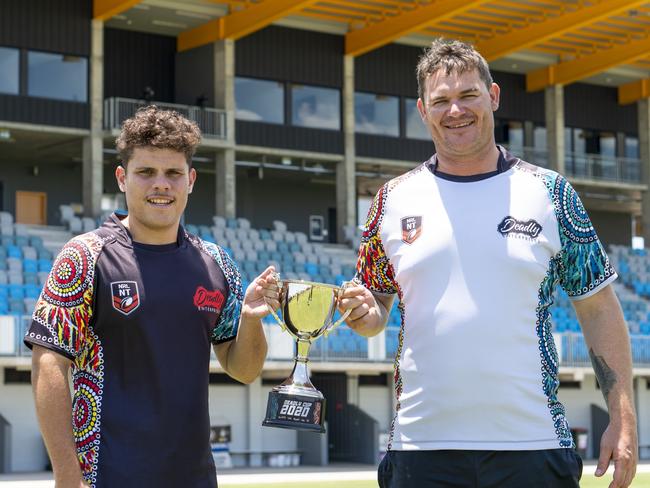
x=452 y=56
x=162 y=129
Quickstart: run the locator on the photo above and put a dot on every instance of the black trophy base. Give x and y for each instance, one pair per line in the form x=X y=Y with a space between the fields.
x=298 y=412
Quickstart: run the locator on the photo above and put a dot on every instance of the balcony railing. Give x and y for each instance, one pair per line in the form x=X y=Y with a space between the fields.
x=587 y=166
x=343 y=345
x=211 y=121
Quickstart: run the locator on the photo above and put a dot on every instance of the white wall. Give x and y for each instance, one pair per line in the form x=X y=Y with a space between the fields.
x=376 y=401
x=228 y=407
x=17 y=406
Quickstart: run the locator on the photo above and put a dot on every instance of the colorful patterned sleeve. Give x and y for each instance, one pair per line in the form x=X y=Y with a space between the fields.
x=374 y=270
x=62 y=315
x=584 y=265
x=228 y=323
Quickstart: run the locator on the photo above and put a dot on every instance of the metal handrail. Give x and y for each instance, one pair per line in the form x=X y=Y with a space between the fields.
x=587 y=166
x=211 y=121
x=572 y=348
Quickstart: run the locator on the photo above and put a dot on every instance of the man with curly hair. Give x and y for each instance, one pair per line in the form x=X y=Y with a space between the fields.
x=473 y=243
x=132 y=309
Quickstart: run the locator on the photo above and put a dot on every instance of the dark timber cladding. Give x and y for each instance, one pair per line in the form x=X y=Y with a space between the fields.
x=44 y=111
x=135 y=60
x=295 y=55
x=596 y=107
x=515 y=103
x=290 y=56
x=195 y=76
x=389 y=70
x=46 y=25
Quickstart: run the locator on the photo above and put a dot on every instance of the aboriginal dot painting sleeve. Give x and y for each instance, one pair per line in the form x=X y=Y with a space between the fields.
x=228 y=323
x=61 y=318
x=584 y=265
x=374 y=270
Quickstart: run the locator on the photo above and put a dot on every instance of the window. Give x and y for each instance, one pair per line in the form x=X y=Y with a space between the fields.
x=9 y=69
x=539 y=138
x=607 y=143
x=631 y=147
x=58 y=76
x=415 y=128
x=376 y=114
x=259 y=100
x=319 y=108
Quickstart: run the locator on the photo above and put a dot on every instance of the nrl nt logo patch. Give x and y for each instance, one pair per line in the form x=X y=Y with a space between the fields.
x=411 y=228
x=125 y=296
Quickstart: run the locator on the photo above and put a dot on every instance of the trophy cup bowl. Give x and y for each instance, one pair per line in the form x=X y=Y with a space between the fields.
x=307 y=313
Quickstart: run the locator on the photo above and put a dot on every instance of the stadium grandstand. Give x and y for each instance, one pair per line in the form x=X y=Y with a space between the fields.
x=307 y=107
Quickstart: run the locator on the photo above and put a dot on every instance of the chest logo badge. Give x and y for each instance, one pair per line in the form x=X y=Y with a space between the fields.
x=208 y=301
x=125 y=296
x=411 y=228
x=527 y=229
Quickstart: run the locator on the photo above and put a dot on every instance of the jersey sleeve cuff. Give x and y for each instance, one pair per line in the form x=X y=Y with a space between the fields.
x=595 y=290
x=30 y=342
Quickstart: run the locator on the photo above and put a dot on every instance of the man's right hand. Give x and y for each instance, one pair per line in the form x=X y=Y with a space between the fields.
x=368 y=312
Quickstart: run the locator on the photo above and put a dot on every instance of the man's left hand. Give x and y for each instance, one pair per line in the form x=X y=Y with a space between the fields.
x=262 y=291
x=618 y=444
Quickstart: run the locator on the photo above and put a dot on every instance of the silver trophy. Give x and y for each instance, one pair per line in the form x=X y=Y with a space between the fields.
x=307 y=313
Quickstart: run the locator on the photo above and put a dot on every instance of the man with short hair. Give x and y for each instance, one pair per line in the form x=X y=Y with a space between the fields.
x=132 y=309
x=473 y=243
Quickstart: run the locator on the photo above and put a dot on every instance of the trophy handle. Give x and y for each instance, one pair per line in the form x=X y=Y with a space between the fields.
x=345 y=315
x=273 y=313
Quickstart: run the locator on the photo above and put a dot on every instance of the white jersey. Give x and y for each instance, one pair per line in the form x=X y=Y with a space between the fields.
x=474 y=263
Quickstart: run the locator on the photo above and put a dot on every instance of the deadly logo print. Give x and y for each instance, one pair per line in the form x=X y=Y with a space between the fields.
x=208 y=301
x=411 y=228
x=125 y=296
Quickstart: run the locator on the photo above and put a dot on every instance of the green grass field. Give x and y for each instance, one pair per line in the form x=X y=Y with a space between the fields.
x=588 y=481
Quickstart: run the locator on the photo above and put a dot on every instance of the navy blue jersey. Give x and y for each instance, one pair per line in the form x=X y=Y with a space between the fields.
x=138 y=322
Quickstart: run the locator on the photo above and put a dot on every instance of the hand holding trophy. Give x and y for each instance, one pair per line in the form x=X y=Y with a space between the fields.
x=307 y=313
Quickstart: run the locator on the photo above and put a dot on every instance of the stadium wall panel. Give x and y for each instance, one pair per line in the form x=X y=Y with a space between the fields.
x=515 y=103
x=288 y=137
x=294 y=55
x=389 y=70
x=61 y=180
x=393 y=148
x=202 y=201
x=282 y=195
x=612 y=227
x=596 y=107
x=135 y=60
x=44 y=25
x=17 y=406
x=44 y=111
x=195 y=76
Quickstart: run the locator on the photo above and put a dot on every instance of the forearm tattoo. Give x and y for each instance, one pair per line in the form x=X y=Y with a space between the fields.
x=606 y=376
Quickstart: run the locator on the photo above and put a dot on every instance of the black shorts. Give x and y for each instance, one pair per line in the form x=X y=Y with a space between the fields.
x=552 y=468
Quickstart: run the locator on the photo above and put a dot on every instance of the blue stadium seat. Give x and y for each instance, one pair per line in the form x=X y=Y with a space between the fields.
x=45 y=254
x=16 y=307
x=265 y=235
x=36 y=242
x=44 y=265
x=32 y=291
x=14 y=251
x=30 y=266
x=231 y=223
x=311 y=268
x=30 y=278
x=16 y=292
